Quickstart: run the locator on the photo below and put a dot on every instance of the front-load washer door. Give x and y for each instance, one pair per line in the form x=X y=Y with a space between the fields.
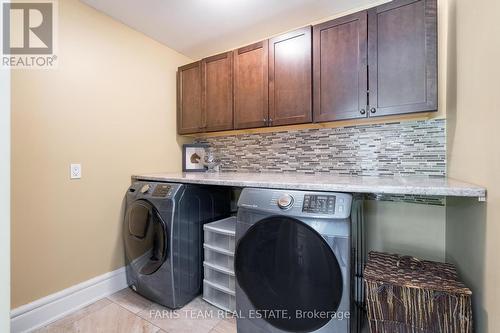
x=145 y=237
x=283 y=264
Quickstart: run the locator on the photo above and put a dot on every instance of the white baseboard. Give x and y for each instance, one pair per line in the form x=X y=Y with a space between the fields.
x=50 y=308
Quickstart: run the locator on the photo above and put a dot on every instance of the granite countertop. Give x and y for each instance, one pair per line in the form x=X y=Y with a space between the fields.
x=415 y=185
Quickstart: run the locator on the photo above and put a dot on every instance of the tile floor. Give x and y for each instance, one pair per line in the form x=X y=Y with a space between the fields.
x=128 y=312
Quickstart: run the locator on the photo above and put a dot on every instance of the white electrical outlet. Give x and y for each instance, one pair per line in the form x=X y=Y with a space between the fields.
x=75 y=171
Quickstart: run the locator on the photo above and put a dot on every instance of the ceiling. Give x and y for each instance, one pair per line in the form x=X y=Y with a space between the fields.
x=198 y=28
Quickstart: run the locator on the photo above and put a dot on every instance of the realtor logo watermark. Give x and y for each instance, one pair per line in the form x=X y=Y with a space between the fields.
x=29 y=38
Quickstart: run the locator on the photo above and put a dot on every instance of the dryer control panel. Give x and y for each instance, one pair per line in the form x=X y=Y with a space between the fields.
x=323 y=205
x=319 y=204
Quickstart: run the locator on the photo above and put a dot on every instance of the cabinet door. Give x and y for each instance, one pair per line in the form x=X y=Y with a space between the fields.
x=340 y=68
x=251 y=103
x=402 y=53
x=290 y=82
x=217 y=95
x=189 y=117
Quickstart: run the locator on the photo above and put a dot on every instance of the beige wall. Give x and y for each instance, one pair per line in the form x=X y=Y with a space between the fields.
x=473 y=228
x=110 y=105
x=4 y=200
x=406 y=228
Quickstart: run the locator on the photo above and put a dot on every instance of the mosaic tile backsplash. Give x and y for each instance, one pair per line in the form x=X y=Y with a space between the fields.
x=397 y=148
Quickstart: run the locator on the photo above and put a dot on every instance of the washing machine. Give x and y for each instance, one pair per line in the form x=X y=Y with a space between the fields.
x=163 y=237
x=293 y=261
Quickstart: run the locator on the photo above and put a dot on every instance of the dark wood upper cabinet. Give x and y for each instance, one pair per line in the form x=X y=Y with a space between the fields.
x=340 y=68
x=189 y=114
x=217 y=92
x=373 y=63
x=251 y=102
x=290 y=78
x=402 y=53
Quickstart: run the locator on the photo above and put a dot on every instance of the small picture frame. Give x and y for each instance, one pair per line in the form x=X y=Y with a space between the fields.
x=193 y=157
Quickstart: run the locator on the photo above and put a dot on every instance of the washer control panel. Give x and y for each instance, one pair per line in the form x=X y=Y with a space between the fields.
x=319 y=204
x=162 y=190
x=154 y=190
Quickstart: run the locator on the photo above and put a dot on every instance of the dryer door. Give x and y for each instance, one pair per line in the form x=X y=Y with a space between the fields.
x=145 y=237
x=283 y=264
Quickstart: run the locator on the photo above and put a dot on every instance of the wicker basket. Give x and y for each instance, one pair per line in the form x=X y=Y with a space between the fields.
x=405 y=294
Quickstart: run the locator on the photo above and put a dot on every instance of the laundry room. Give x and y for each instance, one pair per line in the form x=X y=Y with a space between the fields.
x=249 y=166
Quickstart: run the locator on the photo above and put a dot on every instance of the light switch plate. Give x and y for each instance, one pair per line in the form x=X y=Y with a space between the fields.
x=75 y=171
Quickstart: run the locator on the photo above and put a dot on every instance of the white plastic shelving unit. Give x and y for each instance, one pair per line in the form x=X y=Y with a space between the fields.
x=219 y=280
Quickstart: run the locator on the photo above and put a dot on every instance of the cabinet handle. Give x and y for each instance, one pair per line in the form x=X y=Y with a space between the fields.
x=265 y=121
x=270 y=121
x=362 y=111
x=373 y=110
